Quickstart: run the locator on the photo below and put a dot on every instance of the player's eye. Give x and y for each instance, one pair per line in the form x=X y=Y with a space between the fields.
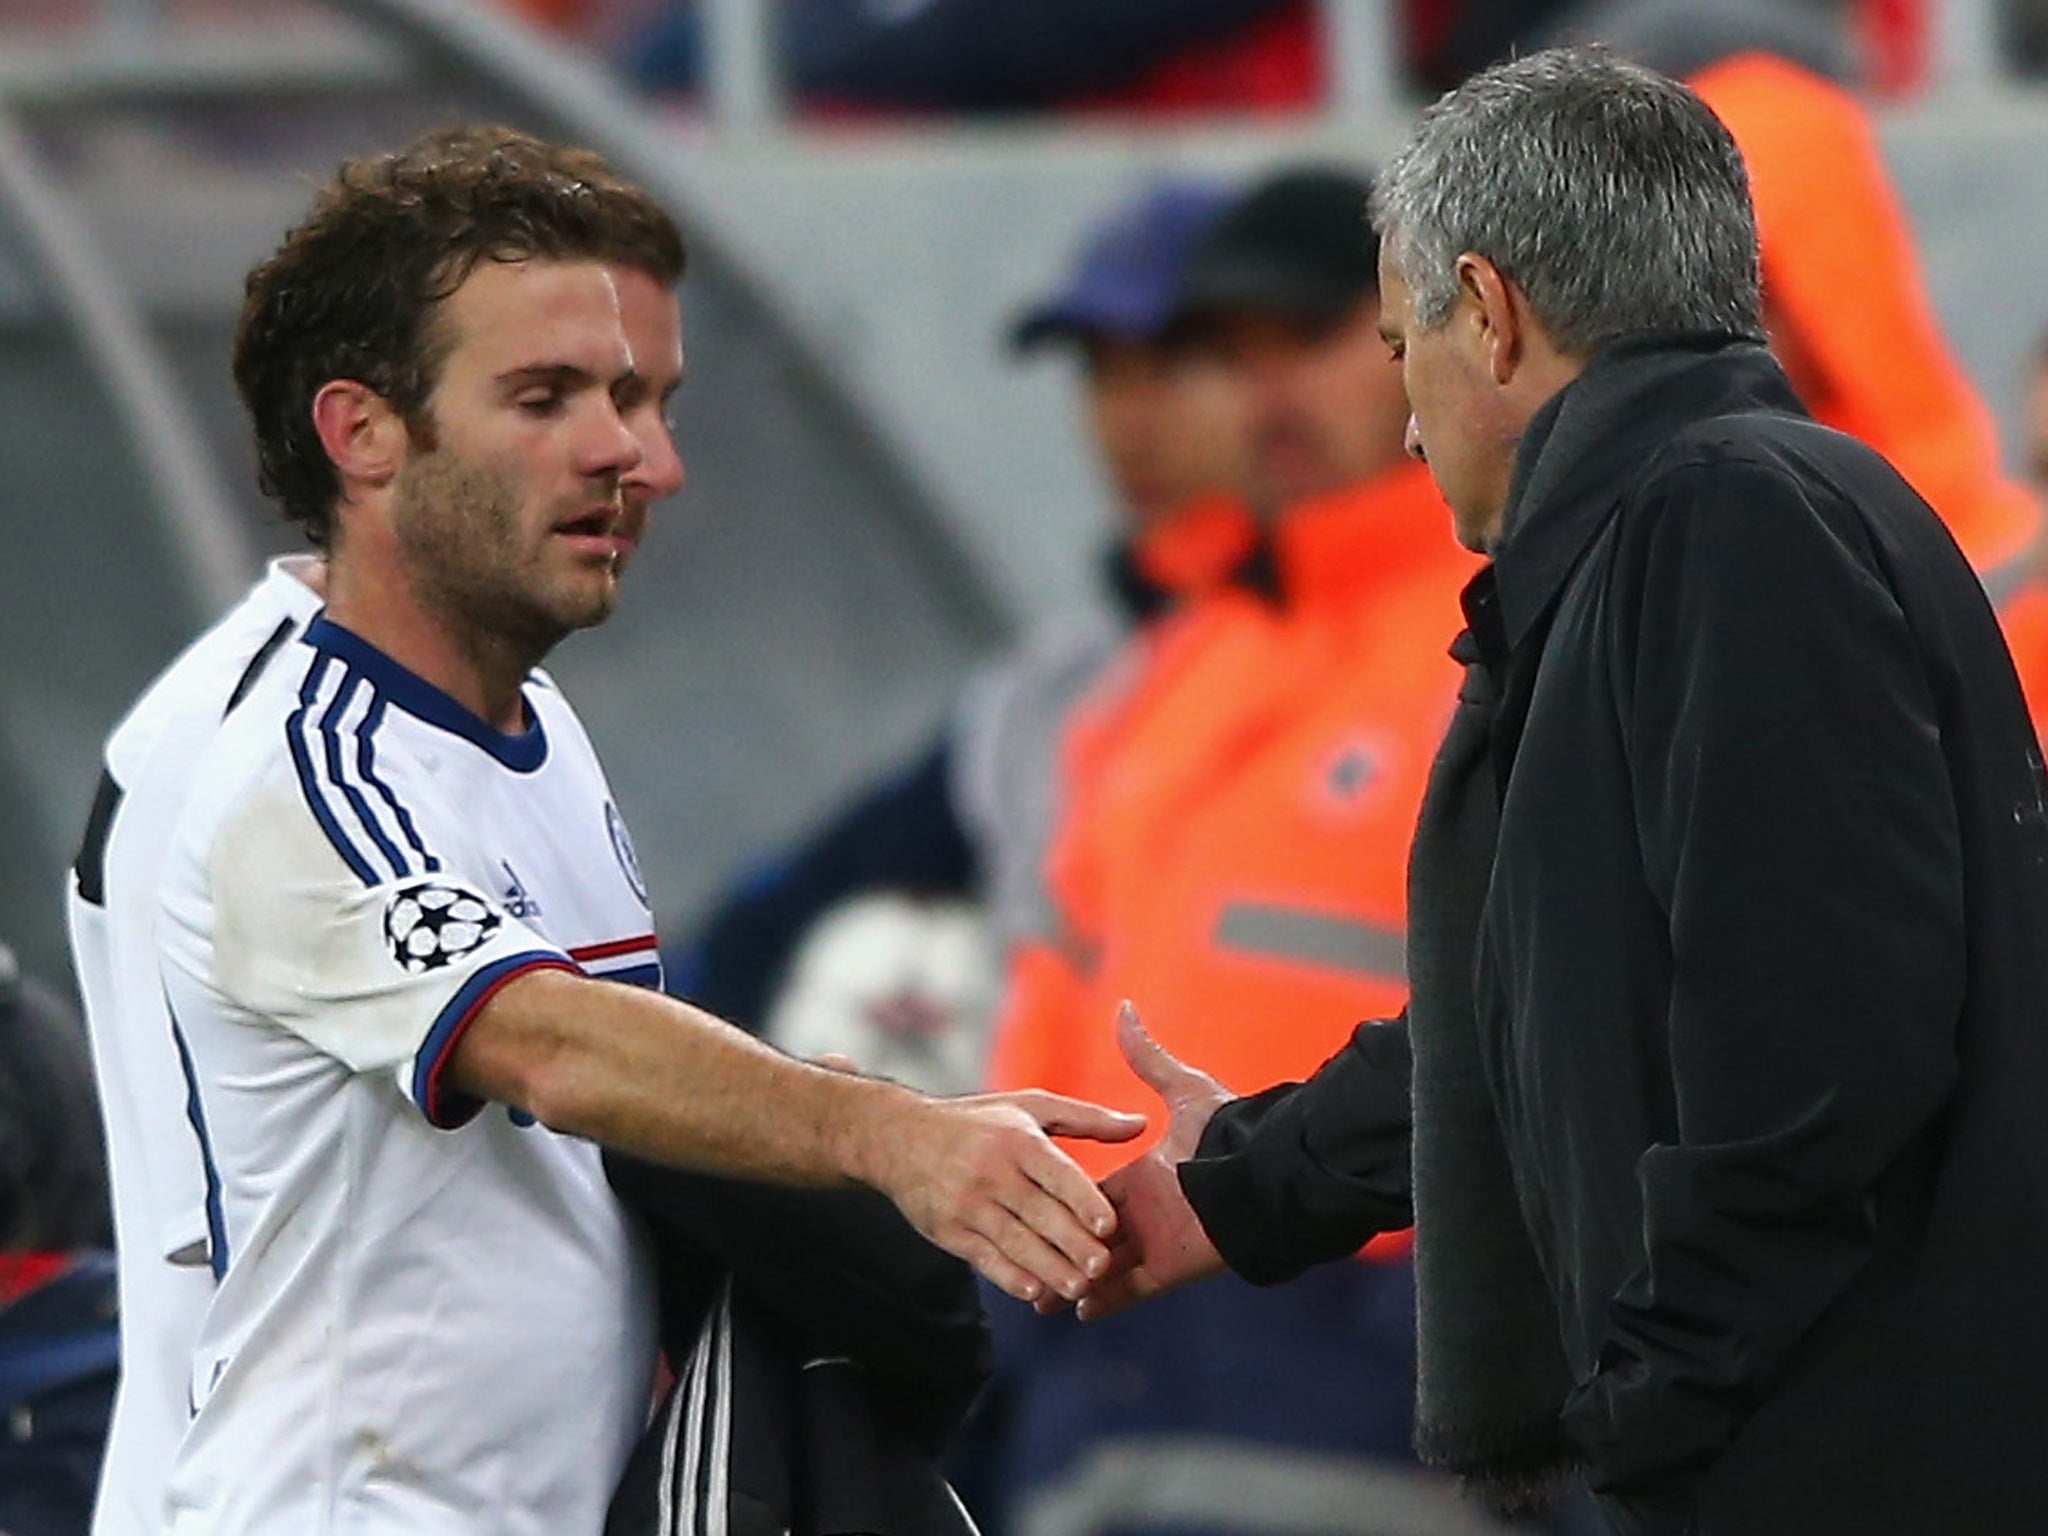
x=545 y=402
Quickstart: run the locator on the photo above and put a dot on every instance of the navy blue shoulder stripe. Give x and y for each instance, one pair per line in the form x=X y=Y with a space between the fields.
x=309 y=781
x=330 y=740
x=366 y=765
x=340 y=785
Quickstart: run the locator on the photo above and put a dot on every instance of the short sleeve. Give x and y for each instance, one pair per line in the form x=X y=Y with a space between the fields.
x=381 y=968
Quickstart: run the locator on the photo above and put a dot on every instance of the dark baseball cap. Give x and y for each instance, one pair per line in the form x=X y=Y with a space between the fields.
x=1126 y=280
x=1299 y=244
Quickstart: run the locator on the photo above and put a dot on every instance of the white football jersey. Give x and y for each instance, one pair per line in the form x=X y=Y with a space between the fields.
x=432 y=1316
x=158 y=1181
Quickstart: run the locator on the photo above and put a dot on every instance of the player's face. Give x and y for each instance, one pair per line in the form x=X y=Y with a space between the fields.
x=653 y=327
x=1450 y=411
x=511 y=517
x=1325 y=403
x=1168 y=423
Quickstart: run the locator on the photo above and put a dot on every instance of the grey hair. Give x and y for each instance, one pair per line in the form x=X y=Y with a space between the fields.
x=1611 y=195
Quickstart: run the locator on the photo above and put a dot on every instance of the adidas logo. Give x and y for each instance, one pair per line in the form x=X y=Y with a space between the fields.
x=515 y=898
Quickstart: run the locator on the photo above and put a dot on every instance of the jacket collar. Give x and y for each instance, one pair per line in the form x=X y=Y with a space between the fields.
x=1344 y=546
x=1335 y=546
x=1590 y=442
x=1197 y=548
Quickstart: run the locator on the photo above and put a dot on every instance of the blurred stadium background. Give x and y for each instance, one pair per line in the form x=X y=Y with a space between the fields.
x=877 y=493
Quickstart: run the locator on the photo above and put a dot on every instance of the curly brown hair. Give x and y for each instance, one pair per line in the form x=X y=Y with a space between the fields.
x=355 y=289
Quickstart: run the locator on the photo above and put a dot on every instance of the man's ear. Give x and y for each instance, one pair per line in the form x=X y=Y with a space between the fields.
x=1497 y=312
x=364 y=437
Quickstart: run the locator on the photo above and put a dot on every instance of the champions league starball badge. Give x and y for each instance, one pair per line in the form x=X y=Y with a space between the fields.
x=428 y=925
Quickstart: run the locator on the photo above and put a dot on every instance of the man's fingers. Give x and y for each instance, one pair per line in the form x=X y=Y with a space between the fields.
x=1084 y=1216
x=1156 y=1067
x=1030 y=1252
x=1058 y=1225
x=1010 y=1278
x=1062 y=1116
x=1110 y=1296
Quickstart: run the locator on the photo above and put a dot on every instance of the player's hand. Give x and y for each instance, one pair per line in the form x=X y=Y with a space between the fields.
x=981 y=1178
x=1159 y=1240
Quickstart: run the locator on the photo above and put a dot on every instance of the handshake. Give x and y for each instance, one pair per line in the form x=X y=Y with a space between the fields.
x=980 y=1178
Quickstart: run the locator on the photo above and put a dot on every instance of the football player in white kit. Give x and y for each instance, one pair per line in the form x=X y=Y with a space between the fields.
x=158 y=1177
x=399 y=873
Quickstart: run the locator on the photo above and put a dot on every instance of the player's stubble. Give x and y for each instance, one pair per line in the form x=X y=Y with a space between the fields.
x=476 y=563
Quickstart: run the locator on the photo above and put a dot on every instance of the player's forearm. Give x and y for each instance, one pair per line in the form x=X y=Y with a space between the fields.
x=655 y=1077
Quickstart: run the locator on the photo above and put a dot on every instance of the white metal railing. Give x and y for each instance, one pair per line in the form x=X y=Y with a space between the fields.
x=1965 y=43
x=743 y=82
x=207 y=539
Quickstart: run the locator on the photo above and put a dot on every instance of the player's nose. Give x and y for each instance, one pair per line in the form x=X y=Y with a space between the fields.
x=609 y=445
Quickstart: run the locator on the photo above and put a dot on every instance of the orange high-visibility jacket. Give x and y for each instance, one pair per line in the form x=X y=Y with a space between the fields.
x=1240 y=790
x=1841 y=277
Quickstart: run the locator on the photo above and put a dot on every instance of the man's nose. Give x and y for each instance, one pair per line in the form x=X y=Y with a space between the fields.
x=660 y=472
x=1411 y=440
x=612 y=446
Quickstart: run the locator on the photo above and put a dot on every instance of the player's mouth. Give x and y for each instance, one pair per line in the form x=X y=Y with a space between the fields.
x=598 y=533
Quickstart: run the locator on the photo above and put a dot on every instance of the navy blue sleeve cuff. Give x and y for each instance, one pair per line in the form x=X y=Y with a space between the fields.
x=444 y=1108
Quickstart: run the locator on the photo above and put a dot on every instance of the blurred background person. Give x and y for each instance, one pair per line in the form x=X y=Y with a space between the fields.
x=59 y=1349
x=1231 y=850
x=880 y=936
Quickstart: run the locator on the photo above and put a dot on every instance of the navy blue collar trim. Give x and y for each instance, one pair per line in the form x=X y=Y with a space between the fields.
x=522 y=753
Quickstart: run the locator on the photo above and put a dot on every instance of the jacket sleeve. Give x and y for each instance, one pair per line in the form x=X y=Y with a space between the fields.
x=1308 y=1172
x=832 y=1272
x=1798 y=827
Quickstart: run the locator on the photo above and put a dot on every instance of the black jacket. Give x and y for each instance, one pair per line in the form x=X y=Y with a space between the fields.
x=1761 y=975
x=837 y=1349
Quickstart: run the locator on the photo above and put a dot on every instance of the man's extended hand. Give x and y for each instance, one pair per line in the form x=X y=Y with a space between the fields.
x=1159 y=1239
x=980 y=1178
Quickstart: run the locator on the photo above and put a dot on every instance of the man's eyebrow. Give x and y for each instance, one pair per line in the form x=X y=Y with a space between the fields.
x=562 y=375
x=633 y=384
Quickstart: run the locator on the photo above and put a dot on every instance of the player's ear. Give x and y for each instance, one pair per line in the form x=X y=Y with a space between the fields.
x=363 y=436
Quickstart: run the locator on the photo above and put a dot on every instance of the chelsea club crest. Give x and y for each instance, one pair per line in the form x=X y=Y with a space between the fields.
x=622 y=846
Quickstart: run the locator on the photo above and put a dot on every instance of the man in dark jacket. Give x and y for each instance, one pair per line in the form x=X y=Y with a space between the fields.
x=1729 y=897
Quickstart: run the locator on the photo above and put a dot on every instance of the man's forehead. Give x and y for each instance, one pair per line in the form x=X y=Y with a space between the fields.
x=652 y=319
x=514 y=316
x=1393 y=291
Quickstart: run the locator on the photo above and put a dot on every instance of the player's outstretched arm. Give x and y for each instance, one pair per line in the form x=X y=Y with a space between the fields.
x=1159 y=1240
x=657 y=1078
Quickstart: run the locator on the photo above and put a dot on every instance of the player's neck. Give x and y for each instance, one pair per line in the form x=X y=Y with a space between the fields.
x=480 y=671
